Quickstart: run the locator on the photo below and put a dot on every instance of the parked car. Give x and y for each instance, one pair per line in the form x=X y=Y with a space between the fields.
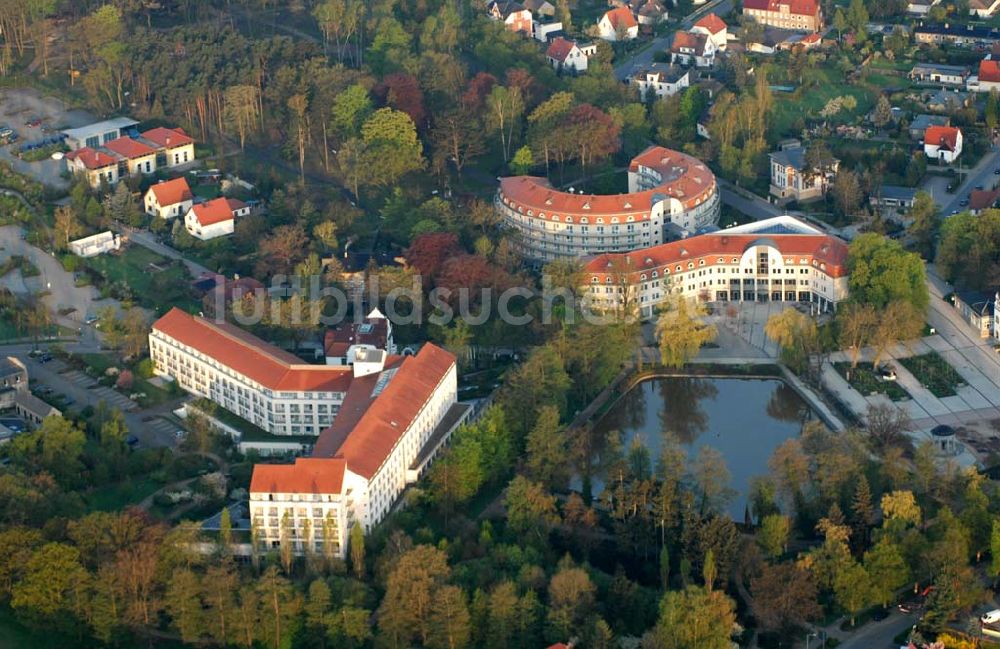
x=45 y=358
x=963 y=202
x=992 y=617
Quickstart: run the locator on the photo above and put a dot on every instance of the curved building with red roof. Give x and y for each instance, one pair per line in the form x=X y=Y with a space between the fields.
x=666 y=188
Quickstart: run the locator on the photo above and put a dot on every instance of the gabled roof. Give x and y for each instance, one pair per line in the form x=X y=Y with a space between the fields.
x=167 y=137
x=129 y=148
x=211 y=212
x=621 y=18
x=505 y=7
x=712 y=23
x=372 y=331
x=250 y=356
x=796 y=7
x=689 y=40
x=309 y=475
x=989 y=71
x=560 y=49
x=945 y=137
x=171 y=192
x=91 y=158
x=982 y=199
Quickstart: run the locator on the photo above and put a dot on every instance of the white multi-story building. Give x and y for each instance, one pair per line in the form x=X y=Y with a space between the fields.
x=666 y=188
x=780 y=259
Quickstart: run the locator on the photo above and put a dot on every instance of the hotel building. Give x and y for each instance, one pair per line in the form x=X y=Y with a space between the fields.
x=666 y=188
x=780 y=259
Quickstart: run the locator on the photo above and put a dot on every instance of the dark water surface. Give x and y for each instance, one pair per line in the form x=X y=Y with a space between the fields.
x=744 y=419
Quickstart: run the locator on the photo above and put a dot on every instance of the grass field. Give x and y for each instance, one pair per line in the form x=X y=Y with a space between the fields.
x=135 y=268
x=117 y=496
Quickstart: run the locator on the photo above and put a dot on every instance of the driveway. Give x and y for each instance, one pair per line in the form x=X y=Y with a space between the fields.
x=146 y=239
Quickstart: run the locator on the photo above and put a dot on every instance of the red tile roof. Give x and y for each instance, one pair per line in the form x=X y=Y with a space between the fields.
x=250 y=356
x=560 y=49
x=797 y=7
x=214 y=211
x=91 y=158
x=946 y=137
x=621 y=18
x=685 y=178
x=982 y=199
x=689 y=40
x=711 y=247
x=336 y=341
x=307 y=476
x=368 y=442
x=235 y=204
x=129 y=148
x=712 y=23
x=171 y=192
x=989 y=71
x=167 y=137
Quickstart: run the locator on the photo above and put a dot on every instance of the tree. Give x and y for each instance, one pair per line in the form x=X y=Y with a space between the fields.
x=772 y=537
x=887 y=424
x=298 y=105
x=711 y=478
x=852 y=589
x=992 y=110
x=887 y=569
x=52 y=577
x=882 y=114
x=281 y=250
x=784 y=595
x=119 y=206
x=405 y=613
x=241 y=108
x=571 y=599
x=219 y=588
x=693 y=618
x=502 y=615
x=547 y=449
x=505 y=107
x=522 y=161
x=357 y=550
x=449 y=620
x=881 y=271
x=900 y=321
x=389 y=148
x=183 y=602
x=796 y=335
x=856 y=327
x=857 y=18
x=317 y=604
x=279 y=606
x=924 y=224
x=681 y=333
x=847 y=193
x=839 y=22
x=901 y=506
x=66 y=225
x=531 y=511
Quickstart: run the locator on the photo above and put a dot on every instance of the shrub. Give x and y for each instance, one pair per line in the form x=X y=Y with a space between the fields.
x=125 y=380
x=144 y=368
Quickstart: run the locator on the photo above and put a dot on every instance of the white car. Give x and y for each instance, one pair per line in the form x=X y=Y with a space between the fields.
x=991 y=618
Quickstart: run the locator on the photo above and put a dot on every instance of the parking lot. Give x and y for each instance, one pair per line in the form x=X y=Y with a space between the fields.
x=20 y=106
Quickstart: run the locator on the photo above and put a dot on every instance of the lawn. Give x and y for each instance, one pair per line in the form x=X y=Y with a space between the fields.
x=864 y=379
x=934 y=373
x=208 y=192
x=115 y=497
x=154 y=281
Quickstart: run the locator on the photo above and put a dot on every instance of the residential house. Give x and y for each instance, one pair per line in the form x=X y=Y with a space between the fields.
x=893 y=198
x=661 y=80
x=342 y=343
x=989 y=76
x=983 y=199
x=224 y=292
x=793 y=178
x=173 y=146
x=545 y=32
x=96 y=244
x=921 y=123
x=946 y=75
x=650 y=13
x=957 y=34
x=214 y=218
x=692 y=48
x=920 y=7
x=976 y=308
x=32 y=409
x=98 y=167
x=515 y=17
x=983 y=8
x=947 y=100
x=540 y=8
x=566 y=55
x=716 y=30
x=943 y=143
x=13 y=379
x=134 y=157
x=618 y=24
x=798 y=15
x=95 y=135
x=169 y=199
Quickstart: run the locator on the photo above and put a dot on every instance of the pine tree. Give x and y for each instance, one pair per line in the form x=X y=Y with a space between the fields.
x=547 y=449
x=862 y=511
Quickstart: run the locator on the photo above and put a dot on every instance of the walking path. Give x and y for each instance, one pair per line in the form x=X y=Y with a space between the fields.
x=146 y=239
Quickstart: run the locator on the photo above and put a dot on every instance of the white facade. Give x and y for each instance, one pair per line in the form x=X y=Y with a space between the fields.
x=661 y=84
x=606 y=29
x=210 y=231
x=173 y=210
x=944 y=154
x=179 y=155
x=95 y=244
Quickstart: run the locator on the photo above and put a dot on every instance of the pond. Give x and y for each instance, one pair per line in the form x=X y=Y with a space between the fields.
x=744 y=419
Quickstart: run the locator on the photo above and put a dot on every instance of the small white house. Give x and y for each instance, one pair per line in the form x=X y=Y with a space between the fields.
x=716 y=30
x=95 y=244
x=692 y=48
x=943 y=143
x=660 y=80
x=214 y=218
x=545 y=31
x=618 y=24
x=566 y=55
x=169 y=199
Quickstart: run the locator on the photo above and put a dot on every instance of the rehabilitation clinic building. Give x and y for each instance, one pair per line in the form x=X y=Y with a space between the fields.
x=665 y=188
x=383 y=420
x=780 y=259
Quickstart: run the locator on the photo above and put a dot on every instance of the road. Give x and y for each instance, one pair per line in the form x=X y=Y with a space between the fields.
x=879 y=635
x=981 y=174
x=644 y=58
x=756 y=208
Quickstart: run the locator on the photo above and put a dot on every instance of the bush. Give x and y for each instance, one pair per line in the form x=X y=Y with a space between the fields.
x=125 y=380
x=70 y=262
x=144 y=368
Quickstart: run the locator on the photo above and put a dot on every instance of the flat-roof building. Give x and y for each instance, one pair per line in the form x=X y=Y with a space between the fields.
x=99 y=133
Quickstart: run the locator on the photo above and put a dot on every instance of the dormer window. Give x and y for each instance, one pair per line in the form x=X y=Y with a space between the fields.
x=586 y=205
x=600 y=220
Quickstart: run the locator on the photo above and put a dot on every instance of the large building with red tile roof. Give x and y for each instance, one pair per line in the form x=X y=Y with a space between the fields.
x=97 y=166
x=379 y=423
x=780 y=259
x=173 y=146
x=798 y=15
x=666 y=189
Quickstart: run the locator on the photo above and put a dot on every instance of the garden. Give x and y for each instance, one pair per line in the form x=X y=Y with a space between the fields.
x=934 y=373
x=139 y=274
x=867 y=381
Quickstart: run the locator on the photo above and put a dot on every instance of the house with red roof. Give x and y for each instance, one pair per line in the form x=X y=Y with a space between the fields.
x=564 y=54
x=983 y=8
x=692 y=48
x=169 y=199
x=97 y=166
x=943 y=143
x=715 y=28
x=618 y=24
x=797 y=15
x=134 y=157
x=173 y=146
x=989 y=76
x=342 y=343
x=515 y=17
x=214 y=218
